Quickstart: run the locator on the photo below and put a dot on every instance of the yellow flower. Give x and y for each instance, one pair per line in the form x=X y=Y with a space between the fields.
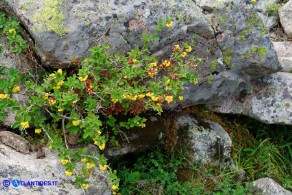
x=176 y=48
x=115 y=100
x=75 y=123
x=169 y=99
x=12 y=31
x=24 y=125
x=154 y=98
x=68 y=173
x=56 y=87
x=184 y=54
x=169 y=24
x=46 y=96
x=52 y=75
x=134 y=61
x=196 y=81
x=60 y=83
x=38 y=131
x=102 y=167
x=98 y=133
x=74 y=102
x=152 y=64
x=60 y=110
x=141 y=96
x=3 y=96
x=115 y=187
x=52 y=101
x=90 y=165
x=180 y=98
x=60 y=72
x=85 y=186
x=82 y=79
x=50 y=146
x=166 y=63
x=16 y=88
x=253 y=1
x=84 y=160
x=102 y=146
x=189 y=49
x=64 y=161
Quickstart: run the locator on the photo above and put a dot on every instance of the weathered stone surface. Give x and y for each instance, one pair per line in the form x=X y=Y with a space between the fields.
x=15 y=141
x=270 y=19
x=283 y=49
x=231 y=40
x=14 y=165
x=267 y=186
x=285 y=14
x=269 y=100
x=207 y=142
x=286 y=63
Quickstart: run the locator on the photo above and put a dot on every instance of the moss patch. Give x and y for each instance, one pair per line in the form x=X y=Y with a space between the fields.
x=50 y=18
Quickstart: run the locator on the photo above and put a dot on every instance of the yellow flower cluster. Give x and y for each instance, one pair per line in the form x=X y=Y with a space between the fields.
x=115 y=187
x=84 y=160
x=184 y=54
x=180 y=98
x=60 y=72
x=152 y=96
x=189 y=49
x=169 y=99
x=64 y=161
x=115 y=100
x=90 y=165
x=52 y=101
x=176 y=48
x=68 y=173
x=85 y=186
x=169 y=24
x=196 y=81
x=3 y=96
x=102 y=167
x=75 y=123
x=83 y=79
x=60 y=110
x=101 y=146
x=153 y=64
x=12 y=31
x=16 y=89
x=24 y=125
x=166 y=63
x=152 y=72
x=52 y=75
x=59 y=84
x=46 y=96
x=131 y=97
x=253 y=1
x=38 y=131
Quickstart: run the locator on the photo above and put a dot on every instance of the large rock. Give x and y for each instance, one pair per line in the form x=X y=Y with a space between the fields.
x=267 y=186
x=267 y=10
x=206 y=141
x=284 y=51
x=268 y=100
x=285 y=14
x=231 y=40
x=25 y=167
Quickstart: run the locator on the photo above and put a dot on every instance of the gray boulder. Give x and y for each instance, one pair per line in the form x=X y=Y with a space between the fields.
x=267 y=11
x=206 y=141
x=26 y=168
x=285 y=14
x=267 y=186
x=268 y=100
x=231 y=39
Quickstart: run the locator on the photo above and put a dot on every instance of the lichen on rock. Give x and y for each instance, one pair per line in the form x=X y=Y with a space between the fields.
x=50 y=18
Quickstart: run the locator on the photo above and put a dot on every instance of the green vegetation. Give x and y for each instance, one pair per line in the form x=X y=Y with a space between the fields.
x=88 y=104
x=9 y=31
x=259 y=150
